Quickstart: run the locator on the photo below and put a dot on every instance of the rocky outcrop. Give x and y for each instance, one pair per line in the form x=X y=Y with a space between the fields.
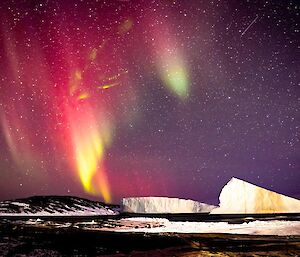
x=55 y=206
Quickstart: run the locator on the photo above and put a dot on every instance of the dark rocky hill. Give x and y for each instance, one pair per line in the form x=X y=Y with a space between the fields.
x=55 y=205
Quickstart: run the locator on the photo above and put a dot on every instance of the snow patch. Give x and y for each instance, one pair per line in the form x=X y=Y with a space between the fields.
x=279 y=228
x=54 y=206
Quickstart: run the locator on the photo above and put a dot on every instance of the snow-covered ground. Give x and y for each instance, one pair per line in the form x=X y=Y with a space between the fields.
x=54 y=206
x=280 y=227
x=142 y=234
x=86 y=212
x=273 y=227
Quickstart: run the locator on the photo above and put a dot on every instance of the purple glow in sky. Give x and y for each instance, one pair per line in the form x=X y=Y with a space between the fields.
x=108 y=99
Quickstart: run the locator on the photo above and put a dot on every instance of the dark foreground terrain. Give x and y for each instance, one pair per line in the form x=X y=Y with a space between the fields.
x=65 y=237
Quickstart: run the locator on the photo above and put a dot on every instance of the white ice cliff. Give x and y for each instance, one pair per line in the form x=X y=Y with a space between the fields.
x=238 y=196
x=164 y=205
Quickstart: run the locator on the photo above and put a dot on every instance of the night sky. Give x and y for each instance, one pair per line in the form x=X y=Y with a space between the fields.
x=107 y=99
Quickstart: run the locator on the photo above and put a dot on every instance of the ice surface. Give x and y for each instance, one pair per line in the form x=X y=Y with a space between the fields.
x=276 y=227
x=163 y=205
x=163 y=225
x=238 y=196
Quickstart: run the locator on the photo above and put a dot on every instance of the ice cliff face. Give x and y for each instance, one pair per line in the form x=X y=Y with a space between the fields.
x=238 y=196
x=163 y=205
x=56 y=206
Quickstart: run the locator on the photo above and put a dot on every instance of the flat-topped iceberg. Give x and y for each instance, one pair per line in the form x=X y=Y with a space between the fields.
x=164 y=205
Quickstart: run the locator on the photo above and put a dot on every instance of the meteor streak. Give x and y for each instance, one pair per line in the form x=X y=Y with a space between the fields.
x=249 y=26
x=83 y=95
x=107 y=86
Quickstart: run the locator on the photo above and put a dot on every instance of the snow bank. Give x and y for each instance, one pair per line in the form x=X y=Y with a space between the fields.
x=163 y=205
x=273 y=227
x=238 y=196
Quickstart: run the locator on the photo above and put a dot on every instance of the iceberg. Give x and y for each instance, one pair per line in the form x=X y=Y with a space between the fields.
x=164 y=205
x=241 y=197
